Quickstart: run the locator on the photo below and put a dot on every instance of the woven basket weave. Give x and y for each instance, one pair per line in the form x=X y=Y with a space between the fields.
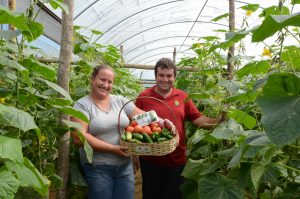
x=153 y=149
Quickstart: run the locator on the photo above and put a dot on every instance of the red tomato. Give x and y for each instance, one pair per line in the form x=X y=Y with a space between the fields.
x=138 y=129
x=147 y=129
x=154 y=124
x=133 y=123
x=129 y=129
x=156 y=129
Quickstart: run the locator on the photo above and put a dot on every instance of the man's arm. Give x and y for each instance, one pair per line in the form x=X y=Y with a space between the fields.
x=207 y=122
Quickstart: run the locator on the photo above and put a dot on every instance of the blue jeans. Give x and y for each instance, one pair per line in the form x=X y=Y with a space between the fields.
x=109 y=182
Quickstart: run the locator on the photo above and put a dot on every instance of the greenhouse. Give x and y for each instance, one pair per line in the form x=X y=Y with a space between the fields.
x=150 y=99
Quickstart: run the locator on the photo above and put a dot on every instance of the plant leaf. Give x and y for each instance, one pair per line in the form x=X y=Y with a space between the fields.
x=15 y=19
x=29 y=176
x=35 y=30
x=75 y=113
x=274 y=23
x=217 y=186
x=11 y=148
x=242 y=117
x=254 y=68
x=280 y=104
x=11 y=116
x=9 y=185
x=46 y=71
x=57 y=88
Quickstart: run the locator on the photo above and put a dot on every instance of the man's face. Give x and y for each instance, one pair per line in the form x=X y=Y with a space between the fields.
x=164 y=79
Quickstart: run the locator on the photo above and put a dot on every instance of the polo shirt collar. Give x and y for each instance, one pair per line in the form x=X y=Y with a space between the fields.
x=155 y=94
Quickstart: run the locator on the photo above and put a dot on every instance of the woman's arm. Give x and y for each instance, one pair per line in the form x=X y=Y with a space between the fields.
x=95 y=143
x=136 y=111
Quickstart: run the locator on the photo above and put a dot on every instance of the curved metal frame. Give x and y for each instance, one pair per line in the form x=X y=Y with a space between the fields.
x=162 y=38
x=166 y=25
x=171 y=46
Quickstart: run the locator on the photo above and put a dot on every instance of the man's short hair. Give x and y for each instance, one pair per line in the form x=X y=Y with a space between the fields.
x=165 y=63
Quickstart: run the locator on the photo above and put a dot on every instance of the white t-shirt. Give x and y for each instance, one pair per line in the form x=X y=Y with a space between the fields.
x=104 y=126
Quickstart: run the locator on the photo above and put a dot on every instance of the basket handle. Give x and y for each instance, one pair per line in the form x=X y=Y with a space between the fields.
x=149 y=97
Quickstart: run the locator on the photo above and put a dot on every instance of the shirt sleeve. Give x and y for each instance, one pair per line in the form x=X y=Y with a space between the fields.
x=129 y=107
x=80 y=107
x=192 y=111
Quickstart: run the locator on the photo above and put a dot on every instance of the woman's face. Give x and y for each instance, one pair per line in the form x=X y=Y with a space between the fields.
x=102 y=84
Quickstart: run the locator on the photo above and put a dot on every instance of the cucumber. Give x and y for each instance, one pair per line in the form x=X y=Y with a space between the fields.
x=162 y=139
x=137 y=136
x=147 y=138
x=133 y=140
x=123 y=137
x=155 y=136
x=128 y=135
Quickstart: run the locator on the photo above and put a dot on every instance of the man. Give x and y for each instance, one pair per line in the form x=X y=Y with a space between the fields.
x=161 y=175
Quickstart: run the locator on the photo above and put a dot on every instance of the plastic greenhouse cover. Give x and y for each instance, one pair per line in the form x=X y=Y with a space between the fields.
x=151 y=29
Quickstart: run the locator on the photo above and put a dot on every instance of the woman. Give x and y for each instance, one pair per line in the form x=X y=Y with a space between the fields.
x=110 y=175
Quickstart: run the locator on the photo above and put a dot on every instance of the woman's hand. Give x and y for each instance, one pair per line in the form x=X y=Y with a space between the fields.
x=119 y=150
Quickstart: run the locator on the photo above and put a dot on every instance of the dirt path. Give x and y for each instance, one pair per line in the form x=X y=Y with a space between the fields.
x=138 y=185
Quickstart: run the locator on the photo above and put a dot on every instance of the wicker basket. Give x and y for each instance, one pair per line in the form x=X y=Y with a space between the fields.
x=153 y=149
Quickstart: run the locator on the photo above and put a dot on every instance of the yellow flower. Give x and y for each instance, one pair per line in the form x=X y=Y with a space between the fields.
x=266 y=52
x=42 y=139
x=248 y=13
x=2 y=100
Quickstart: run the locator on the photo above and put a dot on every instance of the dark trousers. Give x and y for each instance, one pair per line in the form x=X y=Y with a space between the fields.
x=161 y=182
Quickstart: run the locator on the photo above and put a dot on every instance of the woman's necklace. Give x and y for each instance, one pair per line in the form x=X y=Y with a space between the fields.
x=105 y=107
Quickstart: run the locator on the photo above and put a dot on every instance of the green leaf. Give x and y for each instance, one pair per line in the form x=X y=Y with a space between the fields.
x=193 y=168
x=291 y=55
x=35 y=30
x=229 y=130
x=9 y=185
x=87 y=148
x=11 y=148
x=217 y=186
x=11 y=116
x=235 y=160
x=242 y=117
x=257 y=171
x=295 y=2
x=258 y=139
x=42 y=183
x=29 y=176
x=252 y=7
x=231 y=86
x=76 y=176
x=231 y=38
x=57 y=4
x=59 y=101
x=196 y=96
x=280 y=104
x=46 y=71
x=254 y=68
x=96 y=32
x=15 y=19
x=57 y=88
x=189 y=189
x=4 y=61
x=220 y=17
x=274 y=23
x=275 y=10
x=244 y=97
x=75 y=113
